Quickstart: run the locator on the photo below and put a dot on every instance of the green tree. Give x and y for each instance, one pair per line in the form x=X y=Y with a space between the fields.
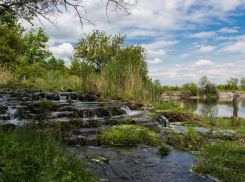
x=189 y=89
x=232 y=83
x=242 y=83
x=11 y=43
x=206 y=87
x=34 y=47
x=97 y=49
x=56 y=64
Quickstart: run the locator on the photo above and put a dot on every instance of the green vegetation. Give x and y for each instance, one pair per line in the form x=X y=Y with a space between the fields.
x=168 y=105
x=129 y=135
x=187 y=141
x=223 y=159
x=189 y=89
x=46 y=104
x=163 y=149
x=28 y=155
x=125 y=152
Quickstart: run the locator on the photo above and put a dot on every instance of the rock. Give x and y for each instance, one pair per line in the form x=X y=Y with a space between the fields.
x=177 y=116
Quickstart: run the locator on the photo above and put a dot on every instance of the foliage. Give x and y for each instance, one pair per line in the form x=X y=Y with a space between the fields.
x=129 y=135
x=232 y=83
x=163 y=149
x=28 y=155
x=242 y=83
x=206 y=87
x=223 y=159
x=189 y=140
x=168 y=105
x=10 y=44
x=189 y=89
x=34 y=47
x=46 y=103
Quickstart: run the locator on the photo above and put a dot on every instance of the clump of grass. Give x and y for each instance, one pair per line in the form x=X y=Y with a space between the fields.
x=129 y=135
x=28 y=155
x=125 y=152
x=46 y=104
x=169 y=105
x=224 y=160
x=189 y=140
x=163 y=149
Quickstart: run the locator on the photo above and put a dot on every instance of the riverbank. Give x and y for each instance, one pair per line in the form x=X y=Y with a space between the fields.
x=223 y=95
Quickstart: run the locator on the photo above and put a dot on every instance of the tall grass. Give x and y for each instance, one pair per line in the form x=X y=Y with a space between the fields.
x=224 y=160
x=115 y=80
x=27 y=155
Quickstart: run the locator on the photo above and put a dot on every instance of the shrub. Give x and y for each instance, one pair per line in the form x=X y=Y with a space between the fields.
x=129 y=135
x=28 y=155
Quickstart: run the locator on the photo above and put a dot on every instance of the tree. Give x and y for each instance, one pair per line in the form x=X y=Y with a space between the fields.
x=11 y=43
x=206 y=87
x=242 y=83
x=232 y=83
x=97 y=49
x=189 y=89
x=30 y=9
x=34 y=47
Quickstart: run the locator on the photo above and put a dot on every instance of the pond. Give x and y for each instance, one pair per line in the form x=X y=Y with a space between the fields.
x=213 y=107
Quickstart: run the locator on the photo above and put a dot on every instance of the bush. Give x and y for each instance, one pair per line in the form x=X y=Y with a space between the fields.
x=27 y=155
x=223 y=159
x=129 y=135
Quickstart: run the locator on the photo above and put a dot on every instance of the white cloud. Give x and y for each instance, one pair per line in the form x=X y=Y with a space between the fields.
x=203 y=62
x=203 y=35
x=228 y=30
x=159 y=44
x=236 y=47
x=62 y=51
x=155 y=61
x=228 y=5
x=157 y=53
x=206 y=49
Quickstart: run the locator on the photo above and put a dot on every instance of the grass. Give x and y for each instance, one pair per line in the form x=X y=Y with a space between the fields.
x=129 y=135
x=28 y=155
x=163 y=149
x=168 y=105
x=224 y=160
x=226 y=123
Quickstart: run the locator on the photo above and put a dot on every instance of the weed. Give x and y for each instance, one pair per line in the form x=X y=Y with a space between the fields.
x=163 y=149
x=28 y=155
x=129 y=135
x=225 y=160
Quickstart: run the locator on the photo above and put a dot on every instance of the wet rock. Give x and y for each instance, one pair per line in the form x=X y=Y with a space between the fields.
x=151 y=126
x=176 y=116
x=70 y=90
x=93 y=123
x=101 y=112
x=90 y=97
x=4 y=118
x=3 y=109
x=115 y=111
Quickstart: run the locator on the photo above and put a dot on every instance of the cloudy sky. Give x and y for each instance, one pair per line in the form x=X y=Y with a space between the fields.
x=184 y=39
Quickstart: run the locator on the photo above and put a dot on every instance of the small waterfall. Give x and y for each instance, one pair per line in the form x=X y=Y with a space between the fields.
x=130 y=112
x=85 y=115
x=165 y=119
x=62 y=98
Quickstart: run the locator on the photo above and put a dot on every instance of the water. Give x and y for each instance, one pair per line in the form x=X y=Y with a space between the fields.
x=213 y=107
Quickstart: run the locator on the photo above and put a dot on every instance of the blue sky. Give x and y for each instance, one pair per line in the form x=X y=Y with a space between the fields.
x=184 y=39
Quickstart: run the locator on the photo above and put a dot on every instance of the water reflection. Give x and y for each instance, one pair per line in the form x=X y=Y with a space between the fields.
x=213 y=107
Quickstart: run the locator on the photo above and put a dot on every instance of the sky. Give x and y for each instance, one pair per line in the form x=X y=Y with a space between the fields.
x=183 y=39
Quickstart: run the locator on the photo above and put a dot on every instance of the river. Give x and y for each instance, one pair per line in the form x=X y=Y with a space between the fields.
x=213 y=107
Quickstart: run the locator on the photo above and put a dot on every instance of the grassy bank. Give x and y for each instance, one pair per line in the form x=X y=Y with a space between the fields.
x=27 y=155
